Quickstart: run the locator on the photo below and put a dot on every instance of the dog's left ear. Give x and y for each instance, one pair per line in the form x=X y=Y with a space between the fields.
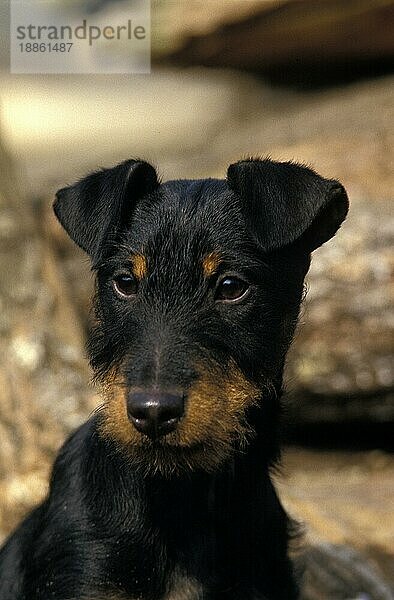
x=95 y=209
x=286 y=202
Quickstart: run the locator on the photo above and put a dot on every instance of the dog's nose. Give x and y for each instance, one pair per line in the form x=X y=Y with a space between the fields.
x=155 y=413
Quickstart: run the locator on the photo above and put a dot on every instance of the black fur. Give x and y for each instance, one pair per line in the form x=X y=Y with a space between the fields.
x=113 y=526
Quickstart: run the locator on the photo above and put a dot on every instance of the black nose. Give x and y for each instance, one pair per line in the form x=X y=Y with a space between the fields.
x=155 y=413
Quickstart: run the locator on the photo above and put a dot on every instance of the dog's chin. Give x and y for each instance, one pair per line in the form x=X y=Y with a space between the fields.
x=166 y=458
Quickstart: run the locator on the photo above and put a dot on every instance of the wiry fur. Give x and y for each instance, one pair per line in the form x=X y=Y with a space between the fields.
x=192 y=515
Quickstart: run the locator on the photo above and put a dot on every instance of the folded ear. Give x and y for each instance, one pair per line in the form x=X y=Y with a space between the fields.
x=284 y=202
x=96 y=208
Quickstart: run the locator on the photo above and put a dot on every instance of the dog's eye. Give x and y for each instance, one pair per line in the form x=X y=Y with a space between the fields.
x=125 y=285
x=230 y=289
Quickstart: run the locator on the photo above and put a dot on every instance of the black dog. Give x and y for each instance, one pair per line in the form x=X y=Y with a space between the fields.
x=165 y=493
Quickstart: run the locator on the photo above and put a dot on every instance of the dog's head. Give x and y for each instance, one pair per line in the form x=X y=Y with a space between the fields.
x=199 y=284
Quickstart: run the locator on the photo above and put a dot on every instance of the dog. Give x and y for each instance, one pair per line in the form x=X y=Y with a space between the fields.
x=165 y=492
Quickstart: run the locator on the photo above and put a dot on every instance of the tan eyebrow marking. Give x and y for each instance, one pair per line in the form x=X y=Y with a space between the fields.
x=210 y=263
x=140 y=266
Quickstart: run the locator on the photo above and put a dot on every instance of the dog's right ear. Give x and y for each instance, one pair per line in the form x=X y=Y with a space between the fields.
x=96 y=208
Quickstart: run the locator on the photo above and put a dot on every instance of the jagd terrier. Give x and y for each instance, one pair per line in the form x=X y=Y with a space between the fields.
x=165 y=492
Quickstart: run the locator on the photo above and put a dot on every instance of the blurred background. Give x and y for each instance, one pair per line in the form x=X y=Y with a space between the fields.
x=309 y=80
